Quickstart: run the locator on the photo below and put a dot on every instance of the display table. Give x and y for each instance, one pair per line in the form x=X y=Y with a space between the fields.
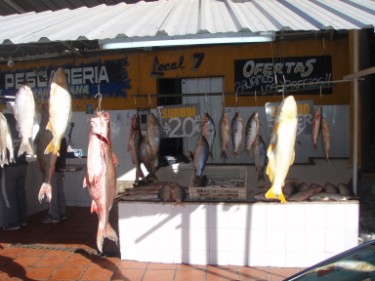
x=256 y=234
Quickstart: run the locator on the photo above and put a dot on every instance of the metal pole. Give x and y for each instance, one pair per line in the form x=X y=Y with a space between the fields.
x=355 y=111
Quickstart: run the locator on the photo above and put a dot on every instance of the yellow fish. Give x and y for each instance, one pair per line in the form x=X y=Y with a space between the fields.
x=281 y=151
x=60 y=109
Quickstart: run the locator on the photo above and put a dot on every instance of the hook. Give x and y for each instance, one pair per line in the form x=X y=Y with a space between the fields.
x=255 y=96
x=135 y=99
x=149 y=99
x=99 y=108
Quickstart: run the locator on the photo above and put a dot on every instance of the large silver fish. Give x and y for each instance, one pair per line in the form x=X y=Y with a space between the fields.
x=101 y=176
x=260 y=156
x=251 y=131
x=315 y=126
x=236 y=130
x=60 y=108
x=326 y=138
x=208 y=130
x=24 y=113
x=6 y=142
x=46 y=161
x=200 y=156
x=281 y=150
x=224 y=134
x=135 y=139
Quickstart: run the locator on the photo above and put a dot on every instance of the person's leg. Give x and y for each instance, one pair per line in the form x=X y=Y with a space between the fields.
x=21 y=194
x=53 y=211
x=61 y=195
x=11 y=194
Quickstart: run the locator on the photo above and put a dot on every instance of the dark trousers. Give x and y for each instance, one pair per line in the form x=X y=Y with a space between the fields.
x=15 y=178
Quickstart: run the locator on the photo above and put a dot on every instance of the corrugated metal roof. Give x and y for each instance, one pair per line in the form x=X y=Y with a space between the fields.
x=176 y=19
x=172 y=18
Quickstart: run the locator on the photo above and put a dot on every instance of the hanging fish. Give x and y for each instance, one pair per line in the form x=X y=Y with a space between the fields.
x=24 y=113
x=281 y=150
x=315 y=126
x=325 y=138
x=260 y=156
x=101 y=176
x=200 y=156
x=236 y=130
x=149 y=146
x=208 y=130
x=224 y=134
x=60 y=109
x=135 y=138
x=6 y=142
x=252 y=131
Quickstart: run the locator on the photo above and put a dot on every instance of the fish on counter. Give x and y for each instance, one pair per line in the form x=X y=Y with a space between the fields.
x=135 y=138
x=149 y=146
x=260 y=156
x=325 y=138
x=24 y=113
x=6 y=142
x=208 y=130
x=330 y=188
x=305 y=194
x=251 y=131
x=315 y=126
x=225 y=133
x=101 y=176
x=236 y=132
x=46 y=161
x=281 y=150
x=60 y=109
x=327 y=196
x=172 y=192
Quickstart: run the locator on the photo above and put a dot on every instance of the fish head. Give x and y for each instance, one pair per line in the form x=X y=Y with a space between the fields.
x=100 y=125
x=135 y=122
x=59 y=77
x=288 y=108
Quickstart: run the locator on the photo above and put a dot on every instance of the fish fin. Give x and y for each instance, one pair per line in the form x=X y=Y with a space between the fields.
x=270 y=194
x=110 y=233
x=49 y=126
x=52 y=148
x=292 y=158
x=100 y=240
x=94 y=208
x=115 y=159
x=45 y=192
x=270 y=172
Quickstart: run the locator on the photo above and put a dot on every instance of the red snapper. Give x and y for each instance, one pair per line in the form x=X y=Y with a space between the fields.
x=101 y=176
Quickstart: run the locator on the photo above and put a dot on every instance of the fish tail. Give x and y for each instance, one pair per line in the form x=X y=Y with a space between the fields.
x=247 y=151
x=52 y=148
x=25 y=147
x=110 y=233
x=235 y=153
x=270 y=194
x=45 y=192
x=100 y=240
x=261 y=177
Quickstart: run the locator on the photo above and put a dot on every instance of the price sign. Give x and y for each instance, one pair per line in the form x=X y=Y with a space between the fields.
x=179 y=121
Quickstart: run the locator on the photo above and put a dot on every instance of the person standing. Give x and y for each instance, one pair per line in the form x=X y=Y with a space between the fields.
x=57 y=207
x=14 y=182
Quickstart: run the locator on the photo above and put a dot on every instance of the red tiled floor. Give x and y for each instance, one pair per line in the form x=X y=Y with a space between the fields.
x=67 y=251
